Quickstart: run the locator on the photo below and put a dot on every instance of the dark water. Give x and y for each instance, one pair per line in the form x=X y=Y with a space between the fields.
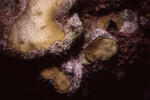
x=18 y=81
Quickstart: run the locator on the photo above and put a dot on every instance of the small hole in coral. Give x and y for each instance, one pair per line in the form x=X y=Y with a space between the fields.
x=112 y=25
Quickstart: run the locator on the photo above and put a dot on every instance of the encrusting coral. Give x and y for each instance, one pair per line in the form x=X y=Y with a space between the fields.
x=38 y=29
x=33 y=28
x=60 y=80
x=101 y=46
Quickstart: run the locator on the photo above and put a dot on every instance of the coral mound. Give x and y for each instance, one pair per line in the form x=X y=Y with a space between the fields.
x=36 y=28
x=41 y=29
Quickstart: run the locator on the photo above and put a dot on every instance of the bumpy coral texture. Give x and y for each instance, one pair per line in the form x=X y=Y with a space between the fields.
x=39 y=28
x=111 y=37
x=35 y=28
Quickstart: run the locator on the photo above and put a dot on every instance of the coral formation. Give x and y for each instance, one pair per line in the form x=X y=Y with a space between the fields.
x=102 y=46
x=112 y=35
x=60 y=80
x=38 y=30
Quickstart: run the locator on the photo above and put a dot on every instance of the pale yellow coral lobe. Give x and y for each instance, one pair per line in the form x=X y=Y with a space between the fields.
x=50 y=73
x=101 y=48
x=36 y=28
x=61 y=82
